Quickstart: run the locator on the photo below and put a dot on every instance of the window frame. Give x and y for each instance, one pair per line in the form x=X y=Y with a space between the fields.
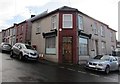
x=38 y=27
x=87 y=53
x=79 y=24
x=47 y=44
x=71 y=21
x=102 y=32
x=103 y=47
x=54 y=21
x=95 y=28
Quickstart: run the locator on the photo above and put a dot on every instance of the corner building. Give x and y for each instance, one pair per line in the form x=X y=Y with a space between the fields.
x=67 y=35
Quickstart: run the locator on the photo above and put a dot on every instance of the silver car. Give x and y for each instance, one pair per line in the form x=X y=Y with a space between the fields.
x=104 y=63
x=24 y=51
x=5 y=47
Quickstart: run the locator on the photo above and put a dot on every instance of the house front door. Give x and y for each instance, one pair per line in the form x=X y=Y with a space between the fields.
x=67 y=50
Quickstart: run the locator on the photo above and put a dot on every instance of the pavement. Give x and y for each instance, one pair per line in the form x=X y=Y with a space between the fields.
x=66 y=65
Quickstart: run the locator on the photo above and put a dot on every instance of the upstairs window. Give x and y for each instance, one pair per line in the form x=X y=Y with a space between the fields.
x=102 y=31
x=54 y=22
x=67 y=21
x=80 y=22
x=38 y=28
x=95 y=30
x=111 y=36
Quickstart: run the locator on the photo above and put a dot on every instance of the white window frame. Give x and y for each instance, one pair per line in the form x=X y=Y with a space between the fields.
x=80 y=44
x=38 y=28
x=80 y=23
x=102 y=28
x=50 y=50
x=54 y=22
x=111 y=36
x=103 y=47
x=95 y=29
x=71 y=21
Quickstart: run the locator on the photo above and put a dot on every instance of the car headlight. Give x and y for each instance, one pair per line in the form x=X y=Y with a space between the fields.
x=100 y=64
x=26 y=52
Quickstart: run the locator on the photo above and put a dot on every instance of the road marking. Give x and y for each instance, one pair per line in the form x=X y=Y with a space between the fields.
x=94 y=75
x=109 y=78
x=82 y=72
x=70 y=69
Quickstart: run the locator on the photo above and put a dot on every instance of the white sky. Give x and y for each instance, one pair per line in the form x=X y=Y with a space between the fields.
x=102 y=10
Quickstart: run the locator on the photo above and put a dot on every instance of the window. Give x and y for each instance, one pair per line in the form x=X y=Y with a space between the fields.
x=111 y=36
x=102 y=31
x=50 y=45
x=103 y=47
x=54 y=22
x=67 y=20
x=38 y=28
x=95 y=30
x=83 y=46
x=80 y=22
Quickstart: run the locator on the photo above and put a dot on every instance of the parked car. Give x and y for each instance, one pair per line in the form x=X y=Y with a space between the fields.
x=103 y=63
x=24 y=51
x=5 y=47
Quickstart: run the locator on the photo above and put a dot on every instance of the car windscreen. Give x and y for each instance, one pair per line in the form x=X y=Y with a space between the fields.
x=6 y=45
x=98 y=57
x=101 y=57
x=29 y=47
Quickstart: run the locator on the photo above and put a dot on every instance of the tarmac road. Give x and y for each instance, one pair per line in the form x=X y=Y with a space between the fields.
x=14 y=70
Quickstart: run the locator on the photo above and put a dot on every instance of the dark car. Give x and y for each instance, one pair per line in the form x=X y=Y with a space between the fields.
x=5 y=47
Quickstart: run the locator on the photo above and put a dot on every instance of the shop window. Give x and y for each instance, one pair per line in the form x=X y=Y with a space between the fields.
x=83 y=46
x=67 y=21
x=50 y=45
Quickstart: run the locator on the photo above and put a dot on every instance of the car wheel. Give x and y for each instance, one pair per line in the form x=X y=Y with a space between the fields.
x=11 y=54
x=20 y=56
x=107 y=70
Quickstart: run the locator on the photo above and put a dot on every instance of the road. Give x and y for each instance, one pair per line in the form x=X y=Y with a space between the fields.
x=14 y=70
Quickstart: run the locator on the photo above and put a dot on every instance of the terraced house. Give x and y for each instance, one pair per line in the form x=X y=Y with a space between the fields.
x=67 y=35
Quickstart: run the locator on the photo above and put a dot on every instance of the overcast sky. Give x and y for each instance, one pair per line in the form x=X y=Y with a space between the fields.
x=15 y=11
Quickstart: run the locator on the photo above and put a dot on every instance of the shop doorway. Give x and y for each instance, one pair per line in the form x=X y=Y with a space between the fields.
x=67 y=50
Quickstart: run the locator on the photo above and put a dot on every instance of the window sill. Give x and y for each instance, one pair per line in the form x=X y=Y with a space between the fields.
x=38 y=33
x=50 y=54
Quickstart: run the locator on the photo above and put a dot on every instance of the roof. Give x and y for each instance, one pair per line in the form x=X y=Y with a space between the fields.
x=112 y=29
x=64 y=8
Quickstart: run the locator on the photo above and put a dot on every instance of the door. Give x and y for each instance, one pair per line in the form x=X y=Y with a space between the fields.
x=67 y=50
x=96 y=44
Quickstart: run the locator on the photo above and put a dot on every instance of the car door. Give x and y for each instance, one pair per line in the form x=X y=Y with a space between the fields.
x=19 y=47
x=15 y=48
x=113 y=63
